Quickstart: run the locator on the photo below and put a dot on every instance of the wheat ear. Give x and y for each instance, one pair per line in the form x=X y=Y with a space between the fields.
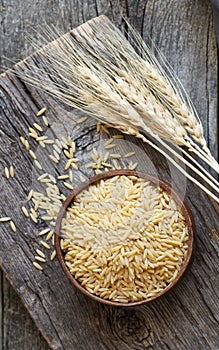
x=106 y=78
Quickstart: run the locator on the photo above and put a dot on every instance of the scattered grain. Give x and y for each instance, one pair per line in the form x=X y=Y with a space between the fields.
x=5 y=219
x=37 y=164
x=33 y=135
x=45 y=121
x=45 y=245
x=24 y=211
x=7 y=174
x=37 y=266
x=68 y=185
x=33 y=218
x=132 y=165
x=30 y=195
x=41 y=112
x=54 y=159
x=37 y=127
x=63 y=177
x=57 y=148
x=110 y=146
x=43 y=232
x=81 y=120
x=115 y=155
x=129 y=154
x=40 y=258
x=53 y=255
x=32 y=154
x=82 y=178
x=49 y=142
x=118 y=136
x=50 y=235
x=13 y=227
x=40 y=253
x=70 y=175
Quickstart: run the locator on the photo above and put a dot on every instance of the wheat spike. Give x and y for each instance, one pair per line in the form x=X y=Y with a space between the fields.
x=105 y=77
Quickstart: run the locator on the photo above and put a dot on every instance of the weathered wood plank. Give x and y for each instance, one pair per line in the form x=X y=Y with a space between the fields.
x=189 y=314
x=14 y=315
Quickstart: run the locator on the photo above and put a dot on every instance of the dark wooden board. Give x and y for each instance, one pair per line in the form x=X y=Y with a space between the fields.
x=188 y=317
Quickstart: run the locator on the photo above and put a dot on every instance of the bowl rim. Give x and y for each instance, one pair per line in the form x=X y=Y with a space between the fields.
x=154 y=180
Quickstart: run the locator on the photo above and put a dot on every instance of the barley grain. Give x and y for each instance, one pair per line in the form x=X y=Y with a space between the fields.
x=56 y=155
x=40 y=253
x=110 y=146
x=41 y=177
x=132 y=165
x=68 y=164
x=37 y=266
x=37 y=164
x=68 y=185
x=40 y=258
x=42 y=144
x=25 y=212
x=116 y=164
x=33 y=135
x=27 y=145
x=98 y=126
x=81 y=120
x=49 y=142
x=45 y=245
x=63 y=177
x=32 y=154
x=82 y=178
x=43 y=232
x=115 y=155
x=13 y=227
x=45 y=121
x=41 y=112
x=30 y=195
x=7 y=174
x=5 y=219
x=108 y=142
x=58 y=142
x=57 y=148
x=11 y=171
x=53 y=255
x=129 y=154
x=118 y=136
x=50 y=235
x=33 y=218
x=70 y=175
x=37 y=127
x=54 y=159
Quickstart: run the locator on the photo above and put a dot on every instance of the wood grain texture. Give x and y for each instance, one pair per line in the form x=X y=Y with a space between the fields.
x=188 y=317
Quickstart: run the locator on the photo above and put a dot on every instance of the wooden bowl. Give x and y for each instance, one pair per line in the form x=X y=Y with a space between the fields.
x=185 y=210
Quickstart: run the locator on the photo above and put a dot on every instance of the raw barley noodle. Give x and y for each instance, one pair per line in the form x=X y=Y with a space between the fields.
x=94 y=244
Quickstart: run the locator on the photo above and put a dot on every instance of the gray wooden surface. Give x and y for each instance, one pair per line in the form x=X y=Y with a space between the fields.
x=188 y=317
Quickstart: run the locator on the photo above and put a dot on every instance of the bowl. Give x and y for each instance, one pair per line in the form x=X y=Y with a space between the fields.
x=156 y=181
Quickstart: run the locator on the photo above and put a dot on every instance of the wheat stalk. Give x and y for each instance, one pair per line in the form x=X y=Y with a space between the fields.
x=102 y=74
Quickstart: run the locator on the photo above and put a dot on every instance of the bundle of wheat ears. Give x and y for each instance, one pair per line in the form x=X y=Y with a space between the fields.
x=121 y=83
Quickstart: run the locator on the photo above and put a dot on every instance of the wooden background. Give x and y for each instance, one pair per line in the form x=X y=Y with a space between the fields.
x=188 y=317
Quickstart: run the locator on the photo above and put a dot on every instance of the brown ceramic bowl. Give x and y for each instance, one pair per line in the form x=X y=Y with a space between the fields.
x=185 y=210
